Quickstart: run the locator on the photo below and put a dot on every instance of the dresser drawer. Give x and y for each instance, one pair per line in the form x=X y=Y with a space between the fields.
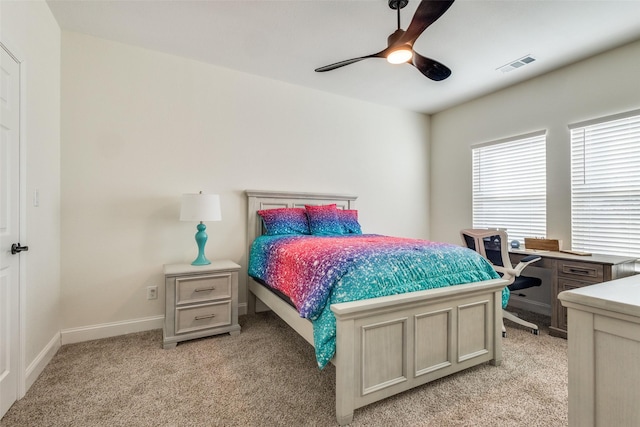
x=203 y=288
x=203 y=316
x=593 y=273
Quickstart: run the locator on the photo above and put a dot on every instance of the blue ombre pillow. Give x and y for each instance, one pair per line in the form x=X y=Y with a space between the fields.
x=349 y=221
x=284 y=221
x=323 y=220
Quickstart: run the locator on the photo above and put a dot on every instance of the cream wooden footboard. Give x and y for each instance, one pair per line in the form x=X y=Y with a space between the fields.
x=391 y=344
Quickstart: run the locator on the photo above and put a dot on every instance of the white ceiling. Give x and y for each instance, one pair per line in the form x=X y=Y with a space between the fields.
x=287 y=40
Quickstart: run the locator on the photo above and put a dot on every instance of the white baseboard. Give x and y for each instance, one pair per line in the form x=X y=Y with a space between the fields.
x=529 y=305
x=242 y=309
x=106 y=330
x=41 y=361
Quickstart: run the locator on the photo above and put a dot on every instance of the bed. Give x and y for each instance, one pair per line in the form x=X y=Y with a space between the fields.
x=390 y=344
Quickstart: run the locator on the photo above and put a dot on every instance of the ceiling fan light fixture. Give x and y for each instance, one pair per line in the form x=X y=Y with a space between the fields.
x=400 y=55
x=399 y=48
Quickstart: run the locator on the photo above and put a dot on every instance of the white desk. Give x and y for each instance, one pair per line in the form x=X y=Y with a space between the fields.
x=574 y=271
x=604 y=350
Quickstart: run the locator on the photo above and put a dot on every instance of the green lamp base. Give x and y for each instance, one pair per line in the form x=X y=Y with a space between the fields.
x=199 y=261
x=201 y=240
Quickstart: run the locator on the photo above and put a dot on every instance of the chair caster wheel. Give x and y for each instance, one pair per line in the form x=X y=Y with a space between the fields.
x=535 y=332
x=504 y=335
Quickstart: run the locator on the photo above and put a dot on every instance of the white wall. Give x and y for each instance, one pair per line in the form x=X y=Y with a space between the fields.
x=31 y=32
x=139 y=128
x=602 y=85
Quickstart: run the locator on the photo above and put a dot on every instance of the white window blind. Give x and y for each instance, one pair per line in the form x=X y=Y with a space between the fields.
x=605 y=186
x=509 y=186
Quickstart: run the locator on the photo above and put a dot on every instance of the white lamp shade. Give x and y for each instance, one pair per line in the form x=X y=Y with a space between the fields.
x=200 y=207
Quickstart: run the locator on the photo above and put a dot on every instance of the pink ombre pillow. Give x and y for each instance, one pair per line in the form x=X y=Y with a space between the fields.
x=323 y=220
x=349 y=221
x=284 y=221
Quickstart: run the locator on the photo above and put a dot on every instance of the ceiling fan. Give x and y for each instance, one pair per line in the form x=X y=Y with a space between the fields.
x=400 y=44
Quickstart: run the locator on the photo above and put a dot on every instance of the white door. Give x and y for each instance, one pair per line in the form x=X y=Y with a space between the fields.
x=9 y=228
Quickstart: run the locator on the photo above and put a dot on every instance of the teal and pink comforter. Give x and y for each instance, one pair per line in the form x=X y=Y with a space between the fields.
x=317 y=271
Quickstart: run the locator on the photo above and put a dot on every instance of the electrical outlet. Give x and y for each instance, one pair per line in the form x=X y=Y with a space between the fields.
x=152 y=292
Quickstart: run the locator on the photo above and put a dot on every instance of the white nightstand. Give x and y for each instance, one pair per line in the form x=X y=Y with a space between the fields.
x=200 y=301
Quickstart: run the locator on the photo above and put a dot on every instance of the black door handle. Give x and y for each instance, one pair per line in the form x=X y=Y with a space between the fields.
x=16 y=248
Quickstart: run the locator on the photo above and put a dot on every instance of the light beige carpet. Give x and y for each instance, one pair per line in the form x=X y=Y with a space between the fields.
x=267 y=376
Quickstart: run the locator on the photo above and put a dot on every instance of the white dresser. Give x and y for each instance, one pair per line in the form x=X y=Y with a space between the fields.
x=604 y=353
x=200 y=301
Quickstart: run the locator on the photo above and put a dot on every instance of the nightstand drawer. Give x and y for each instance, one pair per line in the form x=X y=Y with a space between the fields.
x=203 y=288
x=581 y=271
x=203 y=316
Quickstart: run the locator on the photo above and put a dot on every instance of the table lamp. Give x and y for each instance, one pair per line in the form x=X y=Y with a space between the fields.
x=200 y=207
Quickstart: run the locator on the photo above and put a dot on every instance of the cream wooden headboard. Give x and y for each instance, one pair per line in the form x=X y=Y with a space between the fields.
x=258 y=200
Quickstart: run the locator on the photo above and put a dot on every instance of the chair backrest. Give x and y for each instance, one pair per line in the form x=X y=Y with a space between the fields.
x=491 y=244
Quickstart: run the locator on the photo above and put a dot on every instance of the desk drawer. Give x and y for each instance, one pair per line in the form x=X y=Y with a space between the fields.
x=203 y=288
x=566 y=285
x=203 y=316
x=581 y=271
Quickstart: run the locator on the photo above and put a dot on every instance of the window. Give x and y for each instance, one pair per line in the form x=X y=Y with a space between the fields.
x=605 y=185
x=510 y=184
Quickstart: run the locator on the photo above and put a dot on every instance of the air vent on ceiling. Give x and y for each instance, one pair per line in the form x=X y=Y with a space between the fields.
x=528 y=59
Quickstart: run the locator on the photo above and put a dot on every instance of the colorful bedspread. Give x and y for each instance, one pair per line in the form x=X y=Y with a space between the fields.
x=317 y=271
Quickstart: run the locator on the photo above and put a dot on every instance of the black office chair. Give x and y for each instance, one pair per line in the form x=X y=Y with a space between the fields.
x=493 y=245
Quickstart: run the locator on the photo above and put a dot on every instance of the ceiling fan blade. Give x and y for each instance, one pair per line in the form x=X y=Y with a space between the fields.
x=349 y=61
x=427 y=13
x=430 y=68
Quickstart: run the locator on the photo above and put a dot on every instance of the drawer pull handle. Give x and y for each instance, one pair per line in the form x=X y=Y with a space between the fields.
x=579 y=271
x=206 y=316
x=212 y=288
